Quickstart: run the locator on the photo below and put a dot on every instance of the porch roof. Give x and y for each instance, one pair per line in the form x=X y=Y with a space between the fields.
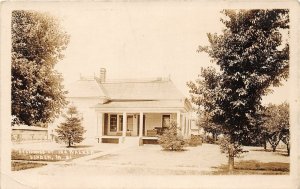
x=142 y=104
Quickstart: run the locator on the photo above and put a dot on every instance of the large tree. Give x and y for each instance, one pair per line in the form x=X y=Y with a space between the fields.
x=37 y=45
x=251 y=57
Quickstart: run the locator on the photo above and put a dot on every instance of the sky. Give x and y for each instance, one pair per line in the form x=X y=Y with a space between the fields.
x=138 y=41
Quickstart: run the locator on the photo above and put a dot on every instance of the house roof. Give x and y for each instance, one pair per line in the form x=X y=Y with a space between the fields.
x=85 y=88
x=26 y=127
x=152 y=93
x=157 y=89
x=147 y=90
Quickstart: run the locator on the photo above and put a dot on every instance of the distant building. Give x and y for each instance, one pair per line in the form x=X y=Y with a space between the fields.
x=21 y=133
x=134 y=111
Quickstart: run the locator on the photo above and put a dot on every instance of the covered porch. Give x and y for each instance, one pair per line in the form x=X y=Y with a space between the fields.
x=136 y=124
x=119 y=127
x=136 y=121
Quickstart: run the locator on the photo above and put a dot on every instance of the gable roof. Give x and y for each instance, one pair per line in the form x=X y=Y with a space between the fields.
x=157 y=89
x=85 y=88
x=147 y=90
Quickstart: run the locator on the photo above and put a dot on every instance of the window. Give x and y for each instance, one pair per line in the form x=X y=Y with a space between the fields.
x=113 y=123
x=165 y=120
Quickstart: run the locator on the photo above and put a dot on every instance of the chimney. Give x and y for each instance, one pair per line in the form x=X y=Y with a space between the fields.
x=102 y=75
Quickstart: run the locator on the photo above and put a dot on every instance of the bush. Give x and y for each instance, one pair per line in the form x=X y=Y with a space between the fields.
x=71 y=131
x=170 y=140
x=208 y=139
x=195 y=140
x=231 y=149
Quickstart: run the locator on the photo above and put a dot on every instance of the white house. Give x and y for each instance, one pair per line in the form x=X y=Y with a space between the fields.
x=147 y=105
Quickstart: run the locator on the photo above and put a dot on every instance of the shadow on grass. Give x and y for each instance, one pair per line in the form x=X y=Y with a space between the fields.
x=252 y=167
x=17 y=166
x=104 y=157
x=168 y=150
x=80 y=146
x=278 y=151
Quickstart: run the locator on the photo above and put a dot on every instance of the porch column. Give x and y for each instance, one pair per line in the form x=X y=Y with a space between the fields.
x=141 y=129
x=141 y=125
x=124 y=125
x=186 y=124
x=178 y=119
x=190 y=127
x=99 y=126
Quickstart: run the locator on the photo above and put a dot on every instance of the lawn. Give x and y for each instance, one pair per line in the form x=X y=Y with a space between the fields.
x=152 y=160
x=17 y=166
x=32 y=155
x=252 y=167
x=205 y=159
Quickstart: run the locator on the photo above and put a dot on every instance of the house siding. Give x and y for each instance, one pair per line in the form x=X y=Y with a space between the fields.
x=85 y=111
x=89 y=115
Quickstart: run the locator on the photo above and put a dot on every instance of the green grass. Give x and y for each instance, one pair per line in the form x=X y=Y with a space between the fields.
x=252 y=167
x=17 y=166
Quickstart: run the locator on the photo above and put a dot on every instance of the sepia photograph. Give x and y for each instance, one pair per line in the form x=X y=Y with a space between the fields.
x=157 y=94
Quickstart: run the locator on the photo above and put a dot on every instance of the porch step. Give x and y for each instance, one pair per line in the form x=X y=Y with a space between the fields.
x=130 y=141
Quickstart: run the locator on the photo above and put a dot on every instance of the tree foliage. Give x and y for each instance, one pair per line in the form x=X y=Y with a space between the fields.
x=204 y=93
x=71 y=131
x=37 y=45
x=231 y=149
x=205 y=122
x=276 y=124
x=251 y=58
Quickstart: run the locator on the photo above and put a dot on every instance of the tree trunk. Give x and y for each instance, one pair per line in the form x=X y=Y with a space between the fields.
x=288 y=149
x=230 y=163
x=274 y=148
x=215 y=137
x=69 y=143
x=273 y=144
x=265 y=144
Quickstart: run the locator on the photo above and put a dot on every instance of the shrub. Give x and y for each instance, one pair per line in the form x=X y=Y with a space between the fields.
x=208 y=139
x=71 y=131
x=195 y=140
x=231 y=149
x=170 y=140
